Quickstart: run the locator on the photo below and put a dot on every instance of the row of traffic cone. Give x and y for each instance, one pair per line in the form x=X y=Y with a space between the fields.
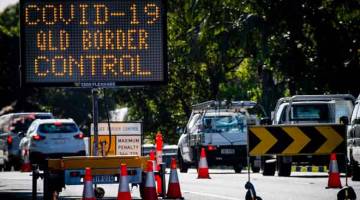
x=174 y=191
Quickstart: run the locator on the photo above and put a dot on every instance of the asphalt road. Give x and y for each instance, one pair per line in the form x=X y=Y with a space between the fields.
x=223 y=185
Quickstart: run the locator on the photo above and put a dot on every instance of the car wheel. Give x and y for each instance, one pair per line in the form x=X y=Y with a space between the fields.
x=355 y=171
x=255 y=169
x=182 y=165
x=269 y=167
x=7 y=166
x=284 y=168
x=237 y=168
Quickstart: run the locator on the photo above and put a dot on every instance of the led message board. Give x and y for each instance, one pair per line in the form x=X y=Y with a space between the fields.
x=93 y=43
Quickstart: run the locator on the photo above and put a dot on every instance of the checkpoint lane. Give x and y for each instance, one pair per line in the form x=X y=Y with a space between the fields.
x=223 y=185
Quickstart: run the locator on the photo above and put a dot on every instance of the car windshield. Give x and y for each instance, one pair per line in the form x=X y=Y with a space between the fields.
x=58 y=128
x=232 y=123
x=318 y=112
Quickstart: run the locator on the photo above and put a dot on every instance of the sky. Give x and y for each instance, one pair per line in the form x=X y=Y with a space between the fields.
x=6 y=3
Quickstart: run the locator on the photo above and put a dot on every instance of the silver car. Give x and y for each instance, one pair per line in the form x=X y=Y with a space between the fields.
x=52 y=138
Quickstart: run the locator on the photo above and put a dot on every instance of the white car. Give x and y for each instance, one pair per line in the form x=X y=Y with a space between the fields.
x=52 y=138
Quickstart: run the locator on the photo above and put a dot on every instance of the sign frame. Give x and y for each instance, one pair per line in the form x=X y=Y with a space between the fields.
x=297 y=139
x=103 y=83
x=116 y=136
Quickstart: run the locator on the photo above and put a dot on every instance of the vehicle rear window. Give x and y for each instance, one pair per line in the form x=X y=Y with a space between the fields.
x=58 y=128
x=318 y=112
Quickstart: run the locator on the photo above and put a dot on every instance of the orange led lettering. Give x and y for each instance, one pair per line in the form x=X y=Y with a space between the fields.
x=109 y=40
x=93 y=59
x=54 y=66
x=134 y=19
x=98 y=40
x=131 y=62
x=86 y=43
x=41 y=41
x=143 y=35
x=152 y=11
x=80 y=65
x=131 y=39
x=101 y=14
x=34 y=9
x=120 y=40
x=138 y=68
x=61 y=14
x=64 y=40
x=83 y=15
x=37 y=63
x=108 y=64
x=49 y=14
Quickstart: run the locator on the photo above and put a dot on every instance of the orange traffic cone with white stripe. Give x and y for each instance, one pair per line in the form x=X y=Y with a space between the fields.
x=150 y=189
x=124 y=190
x=203 y=169
x=88 y=193
x=152 y=158
x=334 y=175
x=26 y=166
x=174 y=191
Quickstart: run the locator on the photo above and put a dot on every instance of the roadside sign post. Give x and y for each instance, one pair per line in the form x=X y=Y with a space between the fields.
x=95 y=103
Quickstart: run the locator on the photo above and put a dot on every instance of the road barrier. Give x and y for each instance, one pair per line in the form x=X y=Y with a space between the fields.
x=309 y=169
x=288 y=140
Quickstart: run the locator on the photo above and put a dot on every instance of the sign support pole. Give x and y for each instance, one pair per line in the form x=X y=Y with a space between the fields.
x=95 y=106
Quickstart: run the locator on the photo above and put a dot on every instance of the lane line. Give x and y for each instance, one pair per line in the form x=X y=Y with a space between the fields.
x=211 y=195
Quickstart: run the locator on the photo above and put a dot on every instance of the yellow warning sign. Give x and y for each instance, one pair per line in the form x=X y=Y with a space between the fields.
x=105 y=139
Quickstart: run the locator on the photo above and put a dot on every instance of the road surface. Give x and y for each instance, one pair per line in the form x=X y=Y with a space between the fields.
x=223 y=185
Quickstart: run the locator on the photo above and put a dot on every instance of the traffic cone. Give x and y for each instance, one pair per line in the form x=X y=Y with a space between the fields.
x=124 y=190
x=174 y=191
x=152 y=158
x=149 y=189
x=334 y=175
x=203 y=170
x=26 y=166
x=88 y=193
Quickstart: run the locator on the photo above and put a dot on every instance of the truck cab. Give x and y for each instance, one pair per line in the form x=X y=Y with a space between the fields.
x=311 y=109
x=221 y=129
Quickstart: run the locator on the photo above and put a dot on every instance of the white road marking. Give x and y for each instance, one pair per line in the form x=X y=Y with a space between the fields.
x=211 y=195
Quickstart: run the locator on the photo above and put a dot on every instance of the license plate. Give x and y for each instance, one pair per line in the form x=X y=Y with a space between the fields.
x=227 y=151
x=60 y=141
x=104 y=179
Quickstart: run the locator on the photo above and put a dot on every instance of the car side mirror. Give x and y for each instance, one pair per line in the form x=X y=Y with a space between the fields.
x=265 y=121
x=344 y=120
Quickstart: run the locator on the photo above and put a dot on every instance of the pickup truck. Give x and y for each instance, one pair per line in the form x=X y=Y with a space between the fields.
x=310 y=109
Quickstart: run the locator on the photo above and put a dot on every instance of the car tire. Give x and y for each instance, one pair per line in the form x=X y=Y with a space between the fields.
x=269 y=168
x=355 y=171
x=255 y=169
x=284 y=169
x=7 y=166
x=182 y=165
x=237 y=168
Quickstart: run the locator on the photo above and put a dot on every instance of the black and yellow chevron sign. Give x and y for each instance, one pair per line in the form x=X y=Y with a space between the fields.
x=297 y=139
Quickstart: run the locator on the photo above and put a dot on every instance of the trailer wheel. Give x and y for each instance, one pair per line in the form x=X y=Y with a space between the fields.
x=99 y=192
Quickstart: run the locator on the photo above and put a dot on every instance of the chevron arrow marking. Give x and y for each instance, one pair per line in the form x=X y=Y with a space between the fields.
x=333 y=139
x=267 y=140
x=300 y=140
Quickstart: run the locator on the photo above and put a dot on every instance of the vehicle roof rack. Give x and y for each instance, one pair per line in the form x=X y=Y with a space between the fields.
x=223 y=105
